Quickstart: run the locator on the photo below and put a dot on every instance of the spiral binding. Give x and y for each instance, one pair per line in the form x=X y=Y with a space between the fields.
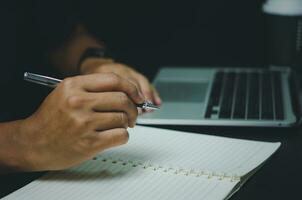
x=169 y=169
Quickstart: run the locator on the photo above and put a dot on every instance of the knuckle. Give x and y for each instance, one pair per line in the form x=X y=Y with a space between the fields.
x=114 y=78
x=123 y=99
x=75 y=101
x=87 y=143
x=119 y=64
x=68 y=83
x=80 y=122
x=88 y=121
x=134 y=91
x=143 y=78
x=123 y=119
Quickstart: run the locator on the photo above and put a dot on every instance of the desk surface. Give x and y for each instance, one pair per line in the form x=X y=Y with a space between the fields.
x=279 y=178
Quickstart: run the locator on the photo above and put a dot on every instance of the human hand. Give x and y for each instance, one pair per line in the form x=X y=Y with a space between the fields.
x=81 y=117
x=101 y=65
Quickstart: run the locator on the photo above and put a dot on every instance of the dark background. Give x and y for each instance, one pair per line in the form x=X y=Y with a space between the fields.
x=150 y=34
x=143 y=34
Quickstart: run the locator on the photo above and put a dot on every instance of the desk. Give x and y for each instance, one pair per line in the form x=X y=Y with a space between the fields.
x=279 y=178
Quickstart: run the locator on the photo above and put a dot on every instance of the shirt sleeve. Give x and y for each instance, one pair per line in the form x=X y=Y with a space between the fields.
x=55 y=20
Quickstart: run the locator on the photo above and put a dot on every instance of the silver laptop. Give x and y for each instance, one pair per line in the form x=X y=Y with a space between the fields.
x=224 y=97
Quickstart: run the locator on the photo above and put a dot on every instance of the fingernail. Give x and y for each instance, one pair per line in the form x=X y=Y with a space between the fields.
x=158 y=100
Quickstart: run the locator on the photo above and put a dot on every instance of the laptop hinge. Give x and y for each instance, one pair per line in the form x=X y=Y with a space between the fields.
x=280 y=68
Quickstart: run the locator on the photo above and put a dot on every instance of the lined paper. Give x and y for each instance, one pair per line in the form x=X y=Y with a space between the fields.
x=197 y=151
x=97 y=180
x=147 y=168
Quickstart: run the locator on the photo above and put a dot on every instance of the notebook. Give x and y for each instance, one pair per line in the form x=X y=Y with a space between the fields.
x=156 y=164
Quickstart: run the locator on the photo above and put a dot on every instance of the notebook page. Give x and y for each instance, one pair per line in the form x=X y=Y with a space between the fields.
x=193 y=151
x=96 y=179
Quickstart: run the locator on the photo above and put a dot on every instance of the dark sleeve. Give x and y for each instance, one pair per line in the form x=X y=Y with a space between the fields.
x=55 y=20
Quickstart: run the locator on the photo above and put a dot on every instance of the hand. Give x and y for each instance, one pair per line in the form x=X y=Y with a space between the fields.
x=100 y=65
x=81 y=117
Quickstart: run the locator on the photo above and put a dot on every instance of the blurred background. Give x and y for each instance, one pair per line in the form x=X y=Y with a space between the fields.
x=146 y=35
x=143 y=34
x=149 y=34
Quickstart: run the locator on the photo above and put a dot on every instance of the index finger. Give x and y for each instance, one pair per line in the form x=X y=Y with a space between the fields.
x=107 y=82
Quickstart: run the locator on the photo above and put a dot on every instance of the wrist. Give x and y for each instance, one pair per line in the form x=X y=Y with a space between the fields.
x=91 y=54
x=14 y=152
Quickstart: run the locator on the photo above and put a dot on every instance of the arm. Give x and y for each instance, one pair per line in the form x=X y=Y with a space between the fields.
x=13 y=155
x=66 y=59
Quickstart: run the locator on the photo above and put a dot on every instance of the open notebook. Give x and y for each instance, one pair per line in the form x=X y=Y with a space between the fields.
x=156 y=164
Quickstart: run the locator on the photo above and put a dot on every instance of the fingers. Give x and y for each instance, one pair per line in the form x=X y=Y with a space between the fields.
x=105 y=82
x=148 y=90
x=157 y=99
x=114 y=102
x=109 y=120
x=111 y=138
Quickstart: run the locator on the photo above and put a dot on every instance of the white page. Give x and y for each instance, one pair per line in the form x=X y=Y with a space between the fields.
x=162 y=149
x=193 y=151
x=96 y=179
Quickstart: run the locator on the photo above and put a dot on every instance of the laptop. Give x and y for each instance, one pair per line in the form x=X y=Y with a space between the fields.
x=226 y=97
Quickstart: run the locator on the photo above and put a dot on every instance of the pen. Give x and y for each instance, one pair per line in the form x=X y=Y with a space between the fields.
x=52 y=82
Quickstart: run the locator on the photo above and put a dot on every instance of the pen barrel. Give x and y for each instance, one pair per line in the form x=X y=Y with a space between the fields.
x=42 y=80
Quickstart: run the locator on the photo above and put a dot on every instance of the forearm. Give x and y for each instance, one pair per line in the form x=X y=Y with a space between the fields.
x=13 y=153
x=65 y=59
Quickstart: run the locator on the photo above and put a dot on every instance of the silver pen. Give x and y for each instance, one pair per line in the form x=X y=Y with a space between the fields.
x=52 y=82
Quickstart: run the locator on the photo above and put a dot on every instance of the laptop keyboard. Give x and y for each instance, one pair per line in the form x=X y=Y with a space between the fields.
x=251 y=95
